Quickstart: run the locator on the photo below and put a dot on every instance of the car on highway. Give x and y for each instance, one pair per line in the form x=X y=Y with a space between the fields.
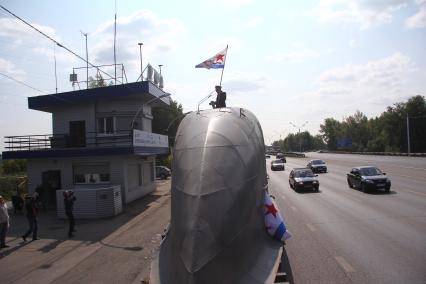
x=281 y=157
x=277 y=165
x=162 y=172
x=368 y=178
x=317 y=166
x=303 y=178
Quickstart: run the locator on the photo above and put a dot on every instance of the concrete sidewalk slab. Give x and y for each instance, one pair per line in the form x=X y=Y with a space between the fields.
x=101 y=251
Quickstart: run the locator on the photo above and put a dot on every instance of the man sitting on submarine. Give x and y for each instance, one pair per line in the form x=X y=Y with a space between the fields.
x=220 y=98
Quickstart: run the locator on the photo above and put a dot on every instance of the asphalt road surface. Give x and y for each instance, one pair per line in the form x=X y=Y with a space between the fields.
x=342 y=235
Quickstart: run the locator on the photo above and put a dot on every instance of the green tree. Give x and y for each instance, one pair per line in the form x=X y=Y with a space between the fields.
x=331 y=130
x=303 y=140
x=11 y=167
x=98 y=82
x=416 y=111
x=167 y=119
x=388 y=132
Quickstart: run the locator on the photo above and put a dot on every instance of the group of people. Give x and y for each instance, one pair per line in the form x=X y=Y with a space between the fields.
x=32 y=206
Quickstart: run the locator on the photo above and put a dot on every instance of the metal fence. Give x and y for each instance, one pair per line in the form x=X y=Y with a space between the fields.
x=55 y=141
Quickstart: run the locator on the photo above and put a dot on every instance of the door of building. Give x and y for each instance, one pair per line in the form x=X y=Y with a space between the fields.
x=77 y=133
x=50 y=183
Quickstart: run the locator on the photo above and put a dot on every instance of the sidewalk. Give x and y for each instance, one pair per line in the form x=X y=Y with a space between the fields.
x=110 y=250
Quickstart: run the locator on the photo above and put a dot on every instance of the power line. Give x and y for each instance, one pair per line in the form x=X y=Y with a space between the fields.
x=59 y=44
x=64 y=47
x=23 y=83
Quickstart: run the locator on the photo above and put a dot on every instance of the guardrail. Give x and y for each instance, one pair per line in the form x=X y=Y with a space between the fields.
x=377 y=153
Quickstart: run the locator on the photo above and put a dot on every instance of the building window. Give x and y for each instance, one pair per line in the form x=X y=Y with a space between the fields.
x=106 y=125
x=91 y=174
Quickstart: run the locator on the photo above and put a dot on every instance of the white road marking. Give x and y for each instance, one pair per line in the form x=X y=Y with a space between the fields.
x=413 y=168
x=311 y=227
x=399 y=175
x=344 y=264
x=416 y=192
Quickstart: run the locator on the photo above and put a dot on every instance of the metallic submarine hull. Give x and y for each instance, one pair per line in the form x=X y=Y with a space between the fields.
x=217 y=231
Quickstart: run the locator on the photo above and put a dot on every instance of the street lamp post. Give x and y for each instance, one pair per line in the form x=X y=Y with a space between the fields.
x=300 y=139
x=140 y=53
x=147 y=103
x=87 y=62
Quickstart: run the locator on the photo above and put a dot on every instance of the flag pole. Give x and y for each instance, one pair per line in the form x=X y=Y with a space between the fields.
x=221 y=76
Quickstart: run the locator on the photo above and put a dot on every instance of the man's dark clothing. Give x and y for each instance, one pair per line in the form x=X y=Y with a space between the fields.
x=32 y=212
x=3 y=231
x=220 y=99
x=69 y=208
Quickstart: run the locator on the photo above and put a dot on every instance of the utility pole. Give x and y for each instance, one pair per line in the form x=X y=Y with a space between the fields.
x=87 y=62
x=408 y=135
x=140 y=52
x=300 y=139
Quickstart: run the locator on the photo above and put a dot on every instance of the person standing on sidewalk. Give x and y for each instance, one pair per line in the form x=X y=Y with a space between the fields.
x=69 y=200
x=32 y=212
x=4 y=222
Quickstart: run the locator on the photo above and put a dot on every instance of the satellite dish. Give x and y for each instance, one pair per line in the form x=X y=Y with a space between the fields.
x=161 y=85
x=150 y=72
x=156 y=77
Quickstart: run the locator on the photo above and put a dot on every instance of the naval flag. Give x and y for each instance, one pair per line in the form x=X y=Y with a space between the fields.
x=215 y=62
x=274 y=221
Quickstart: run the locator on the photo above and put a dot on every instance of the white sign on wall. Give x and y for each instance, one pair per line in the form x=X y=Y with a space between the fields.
x=149 y=139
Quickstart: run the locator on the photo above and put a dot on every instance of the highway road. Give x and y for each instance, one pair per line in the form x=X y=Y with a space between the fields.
x=342 y=235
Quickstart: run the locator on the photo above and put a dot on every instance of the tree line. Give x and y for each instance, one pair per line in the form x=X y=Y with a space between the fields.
x=384 y=133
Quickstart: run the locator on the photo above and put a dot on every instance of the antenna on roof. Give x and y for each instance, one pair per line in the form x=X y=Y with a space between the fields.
x=56 y=77
x=115 y=39
x=87 y=60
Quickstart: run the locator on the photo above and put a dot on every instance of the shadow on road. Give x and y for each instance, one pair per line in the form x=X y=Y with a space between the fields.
x=378 y=192
x=285 y=266
x=121 y=247
x=307 y=191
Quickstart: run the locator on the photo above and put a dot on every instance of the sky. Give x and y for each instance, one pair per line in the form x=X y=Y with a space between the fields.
x=291 y=63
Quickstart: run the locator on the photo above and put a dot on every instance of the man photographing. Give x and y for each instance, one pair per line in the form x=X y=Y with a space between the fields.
x=69 y=200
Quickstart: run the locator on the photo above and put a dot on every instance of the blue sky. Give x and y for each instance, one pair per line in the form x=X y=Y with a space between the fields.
x=288 y=61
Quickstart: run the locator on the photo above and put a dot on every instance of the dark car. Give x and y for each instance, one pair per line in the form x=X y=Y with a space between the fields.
x=303 y=178
x=281 y=157
x=277 y=165
x=317 y=166
x=162 y=172
x=368 y=178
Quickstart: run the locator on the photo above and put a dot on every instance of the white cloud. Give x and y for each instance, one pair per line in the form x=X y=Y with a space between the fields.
x=62 y=56
x=234 y=4
x=296 y=56
x=252 y=22
x=384 y=72
x=159 y=36
x=369 y=87
x=241 y=82
x=418 y=20
x=8 y=68
x=19 y=31
x=366 y=13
